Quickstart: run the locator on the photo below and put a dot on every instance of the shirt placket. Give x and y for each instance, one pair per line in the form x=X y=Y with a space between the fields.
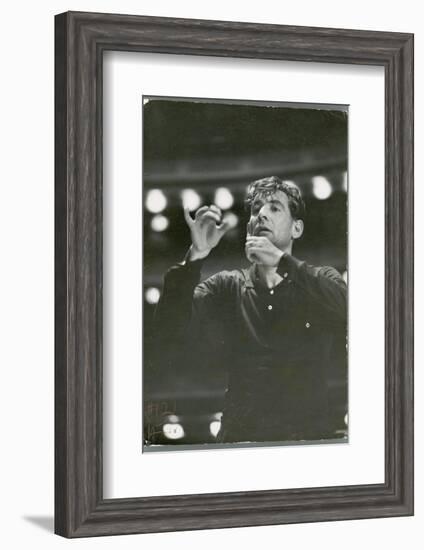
x=272 y=293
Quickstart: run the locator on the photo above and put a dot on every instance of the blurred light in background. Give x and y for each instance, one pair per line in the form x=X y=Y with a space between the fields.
x=223 y=198
x=321 y=187
x=159 y=223
x=344 y=184
x=231 y=218
x=215 y=424
x=214 y=427
x=152 y=295
x=191 y=199
x=173 y=431
x=155 y=201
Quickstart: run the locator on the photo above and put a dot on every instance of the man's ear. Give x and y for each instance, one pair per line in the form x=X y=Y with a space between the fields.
x=297 y=229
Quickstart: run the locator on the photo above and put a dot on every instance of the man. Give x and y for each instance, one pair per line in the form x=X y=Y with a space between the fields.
x=277 y=327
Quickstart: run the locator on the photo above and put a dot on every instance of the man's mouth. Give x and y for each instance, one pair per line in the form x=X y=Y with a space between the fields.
x=260 y=230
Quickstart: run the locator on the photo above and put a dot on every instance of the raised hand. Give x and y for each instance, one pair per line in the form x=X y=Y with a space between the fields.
x=207 y=229
x=260 y=250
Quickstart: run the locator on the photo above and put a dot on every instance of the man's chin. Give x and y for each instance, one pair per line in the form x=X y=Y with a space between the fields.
x=264 y=233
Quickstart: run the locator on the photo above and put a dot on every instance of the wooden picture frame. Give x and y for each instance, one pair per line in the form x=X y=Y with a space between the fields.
x=81 y=39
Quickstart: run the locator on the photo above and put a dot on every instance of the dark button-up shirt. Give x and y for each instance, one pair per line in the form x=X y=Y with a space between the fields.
x=277 y=344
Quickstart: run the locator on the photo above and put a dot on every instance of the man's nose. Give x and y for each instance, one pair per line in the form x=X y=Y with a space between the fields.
x=263 y=213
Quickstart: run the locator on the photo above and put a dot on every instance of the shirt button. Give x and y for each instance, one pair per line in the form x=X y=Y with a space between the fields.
x=285 y=275
x=270 y=307
x=271 y=292
x=308 y=325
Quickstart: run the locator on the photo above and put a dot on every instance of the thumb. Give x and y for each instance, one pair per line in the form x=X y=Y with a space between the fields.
x=187 y=216
x=224 y=227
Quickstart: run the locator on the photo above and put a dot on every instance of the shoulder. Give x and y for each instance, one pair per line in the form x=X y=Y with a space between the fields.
x=228 y=277
x=223 y=280
x=295 y=269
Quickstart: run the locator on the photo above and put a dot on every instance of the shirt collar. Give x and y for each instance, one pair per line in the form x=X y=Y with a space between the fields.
x=249 y=276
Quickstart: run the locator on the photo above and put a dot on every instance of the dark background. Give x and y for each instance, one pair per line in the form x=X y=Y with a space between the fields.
x=204 y=145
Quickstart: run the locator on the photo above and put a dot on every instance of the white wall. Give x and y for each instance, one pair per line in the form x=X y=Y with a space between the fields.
x=26 y=289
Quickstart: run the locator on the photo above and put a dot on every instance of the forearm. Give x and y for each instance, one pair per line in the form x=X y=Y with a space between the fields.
x=174 y=310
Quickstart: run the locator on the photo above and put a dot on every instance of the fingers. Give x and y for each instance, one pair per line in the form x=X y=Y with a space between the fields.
x=201 y=211
x=254 y=254
x=250 y=255
x=254 y=249
x=209 y=213
x=211 y=216
x=215 y=209
x=187 y=216
x=257 y=241
x=204 y=213
x=224 y=227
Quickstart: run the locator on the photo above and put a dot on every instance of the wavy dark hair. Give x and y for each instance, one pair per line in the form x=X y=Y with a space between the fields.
x=268 y=186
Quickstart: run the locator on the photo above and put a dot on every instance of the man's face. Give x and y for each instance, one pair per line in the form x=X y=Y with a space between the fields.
x=270 y=217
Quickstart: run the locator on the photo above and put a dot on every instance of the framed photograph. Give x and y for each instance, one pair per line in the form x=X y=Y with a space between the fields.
x=234 y=274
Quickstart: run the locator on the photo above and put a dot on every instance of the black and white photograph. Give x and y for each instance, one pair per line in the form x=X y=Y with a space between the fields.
x=211 y=268
x=245 y=271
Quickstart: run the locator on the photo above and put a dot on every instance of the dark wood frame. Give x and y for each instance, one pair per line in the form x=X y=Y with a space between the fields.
x=80 y=40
